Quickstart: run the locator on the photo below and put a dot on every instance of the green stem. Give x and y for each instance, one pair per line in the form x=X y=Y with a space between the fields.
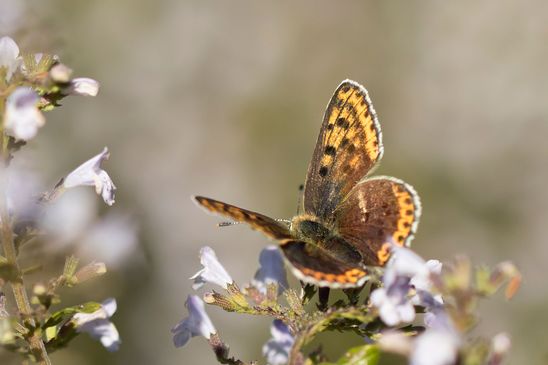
x=36 y=344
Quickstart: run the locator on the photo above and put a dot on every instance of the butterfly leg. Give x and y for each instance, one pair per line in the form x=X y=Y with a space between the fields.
x=323 y=296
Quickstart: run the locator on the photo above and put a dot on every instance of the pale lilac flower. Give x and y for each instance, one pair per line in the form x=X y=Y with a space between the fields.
x=271 y=270
x=60 y=73
x=67 y=218
x=83 y=86
x=393 y=300
x=421 y=280
x=439 y=344
x=9 y=56
x=404 y=262
x=112 y=240
x=422 y=284
x=90 y=174
x=276 y=350
x=393 y=303
x=22 y=116
x=212 y=272
x=500 y=345
x=20 y=190
x=196 y=324
x=98 y=326
x=435 y=347
x=437 y=318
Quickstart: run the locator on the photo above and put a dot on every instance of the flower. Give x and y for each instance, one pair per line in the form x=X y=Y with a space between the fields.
x=68 y=218
x=404 y=262
x=112 y=240
x=98 y=326
x=392 y=300
x=435 y=347
x=213 y=271
x=22 y=117
x=422 y=284
x=405 y=271
x=90 y=174
x=276 y=350
x=196 y=324
x=60 y=73
x=9 y=56
x=421 y=280
x=83 y=86
x=439 y=344
x=271 y=270
x=393 y=303
x=21 y=186
x=500 y=345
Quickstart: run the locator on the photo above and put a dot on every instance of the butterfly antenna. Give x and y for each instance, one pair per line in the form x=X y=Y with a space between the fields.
x=227 y=224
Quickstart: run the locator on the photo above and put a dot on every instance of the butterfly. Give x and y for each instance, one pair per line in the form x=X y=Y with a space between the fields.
x=349 y=221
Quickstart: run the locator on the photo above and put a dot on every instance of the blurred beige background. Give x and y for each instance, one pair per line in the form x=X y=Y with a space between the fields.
x=225 y=99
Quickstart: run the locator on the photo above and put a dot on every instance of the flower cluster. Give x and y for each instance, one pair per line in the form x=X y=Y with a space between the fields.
x=30 y=86
x=387 y=318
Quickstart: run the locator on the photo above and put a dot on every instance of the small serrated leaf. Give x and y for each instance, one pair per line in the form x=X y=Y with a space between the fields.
x=294 y=302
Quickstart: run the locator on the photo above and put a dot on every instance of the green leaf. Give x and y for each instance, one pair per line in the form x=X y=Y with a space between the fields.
x=360 y=355
x=66 y=314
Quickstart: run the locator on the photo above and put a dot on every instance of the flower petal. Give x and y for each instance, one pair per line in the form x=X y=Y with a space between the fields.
x=276 y=350
x=271 y=270
x=9 y=56
x=22 y=117
x=106 y=332
x=196 y=324
x=83 y=86
x=90 y=174
x=98 y=326
x=435 y=347
x=212 y=272
x=109 y=305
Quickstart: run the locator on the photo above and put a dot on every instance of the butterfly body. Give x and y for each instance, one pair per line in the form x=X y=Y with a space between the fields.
x=321 y=237
x=349 y=220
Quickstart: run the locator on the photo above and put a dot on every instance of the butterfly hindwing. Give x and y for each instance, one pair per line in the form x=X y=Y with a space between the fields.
x=348 y=147
x=377 y=213
x=312 y=265
x=257 y=221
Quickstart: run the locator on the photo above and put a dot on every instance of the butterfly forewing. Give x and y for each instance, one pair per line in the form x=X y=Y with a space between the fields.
x=377 y=213
x=348 y=147
x=257 y=221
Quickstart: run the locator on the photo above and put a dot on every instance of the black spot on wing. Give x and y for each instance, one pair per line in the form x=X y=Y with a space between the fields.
x=323 y=171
